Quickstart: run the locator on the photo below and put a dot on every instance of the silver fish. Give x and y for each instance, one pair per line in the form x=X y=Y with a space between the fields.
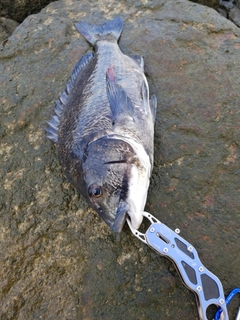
x=104 y=126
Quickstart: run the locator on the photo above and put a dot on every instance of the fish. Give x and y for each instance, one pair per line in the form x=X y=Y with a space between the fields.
x=103 y=125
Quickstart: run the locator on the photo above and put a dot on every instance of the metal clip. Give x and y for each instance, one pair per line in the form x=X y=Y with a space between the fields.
x=206 y=286
x=238 y=314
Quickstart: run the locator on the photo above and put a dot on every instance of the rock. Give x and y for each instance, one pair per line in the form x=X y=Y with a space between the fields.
x=229 y=10
x=58 y=258
x=228 y=4
x=210 y=3
x=234 y=16
x=7 y=27
x=19 y=10
x=223 y=12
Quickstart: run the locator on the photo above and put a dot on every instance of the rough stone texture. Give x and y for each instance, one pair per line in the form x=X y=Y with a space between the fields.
x=58 y=259
x=7 y=27
x=234 y=15
x=210 y=3
x=228 y=4
x=231 y=10
x=18 y=10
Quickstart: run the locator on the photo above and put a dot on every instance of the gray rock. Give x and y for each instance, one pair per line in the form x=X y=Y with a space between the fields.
x=228 y=4
x=229 y=9
x=234 y=16
x=58 y=258
x=7 y=27
x=223 y=12
x=210 y=3
x=19 y=10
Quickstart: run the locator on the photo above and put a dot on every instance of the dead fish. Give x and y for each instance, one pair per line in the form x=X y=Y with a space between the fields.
x=104 y=125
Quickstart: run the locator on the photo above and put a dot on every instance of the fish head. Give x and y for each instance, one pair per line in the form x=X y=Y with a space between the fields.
x=112 y=181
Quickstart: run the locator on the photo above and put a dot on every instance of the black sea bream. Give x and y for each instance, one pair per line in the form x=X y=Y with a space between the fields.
x=103 y=126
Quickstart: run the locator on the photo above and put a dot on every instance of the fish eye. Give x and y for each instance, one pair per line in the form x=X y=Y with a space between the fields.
x=95 y=191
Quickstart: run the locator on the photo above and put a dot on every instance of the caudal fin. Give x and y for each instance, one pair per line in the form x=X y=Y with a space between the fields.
x=109 y=30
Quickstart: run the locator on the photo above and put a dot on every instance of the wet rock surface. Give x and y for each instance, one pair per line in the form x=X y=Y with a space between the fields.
x=58 y=258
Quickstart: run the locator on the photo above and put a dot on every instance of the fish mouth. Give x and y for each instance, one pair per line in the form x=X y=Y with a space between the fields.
x=121 y=216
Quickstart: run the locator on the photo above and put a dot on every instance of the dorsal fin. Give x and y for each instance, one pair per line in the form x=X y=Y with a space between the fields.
x=81 y=64
x=120 y=103
x=53 y=123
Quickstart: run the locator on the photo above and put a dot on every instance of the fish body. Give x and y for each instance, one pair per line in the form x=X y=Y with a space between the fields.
x=104 y=126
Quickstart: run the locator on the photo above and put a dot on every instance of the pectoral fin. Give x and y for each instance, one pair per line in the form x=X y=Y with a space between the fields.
x=138 y=59
x=153 y=106
x=120 y=103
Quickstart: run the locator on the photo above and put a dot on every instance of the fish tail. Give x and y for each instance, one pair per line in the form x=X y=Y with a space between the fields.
x=110 y=30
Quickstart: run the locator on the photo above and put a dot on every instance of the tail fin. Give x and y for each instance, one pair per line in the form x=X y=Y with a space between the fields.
x=109 y=30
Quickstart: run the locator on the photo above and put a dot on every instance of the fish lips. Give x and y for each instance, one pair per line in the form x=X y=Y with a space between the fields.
x=121 y=216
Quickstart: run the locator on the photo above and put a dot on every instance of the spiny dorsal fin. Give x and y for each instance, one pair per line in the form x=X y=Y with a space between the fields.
x=81 y=64
x=53 y=123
